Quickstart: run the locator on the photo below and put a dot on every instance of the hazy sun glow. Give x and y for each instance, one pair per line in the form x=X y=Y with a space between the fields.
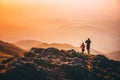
x=58 y=1
x=66 y=21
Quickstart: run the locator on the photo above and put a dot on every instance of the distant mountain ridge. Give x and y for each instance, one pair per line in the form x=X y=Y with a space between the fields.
x=55 y=45
x=114 y=55
x=65 y=47
x=27 y=44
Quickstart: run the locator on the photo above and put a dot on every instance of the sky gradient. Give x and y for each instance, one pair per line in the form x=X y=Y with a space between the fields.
x=62 y=21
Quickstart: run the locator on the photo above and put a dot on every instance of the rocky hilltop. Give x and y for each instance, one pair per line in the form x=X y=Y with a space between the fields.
x=55 y=64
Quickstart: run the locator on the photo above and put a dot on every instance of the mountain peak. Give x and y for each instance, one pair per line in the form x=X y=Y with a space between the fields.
x=52 y=64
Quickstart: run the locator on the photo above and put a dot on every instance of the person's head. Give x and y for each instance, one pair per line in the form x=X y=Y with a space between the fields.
x=88 y=38
x=83 y=43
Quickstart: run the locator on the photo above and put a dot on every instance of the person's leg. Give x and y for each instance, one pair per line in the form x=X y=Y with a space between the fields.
x=82 y=51
x=88 y=51
x=88 y=48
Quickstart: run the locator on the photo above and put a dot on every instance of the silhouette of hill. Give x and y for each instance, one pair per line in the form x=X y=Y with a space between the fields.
x=10 y=49
x=55 y=64
x=27 y=44
x=114 y=55
x=65 y=47
x=56 y=45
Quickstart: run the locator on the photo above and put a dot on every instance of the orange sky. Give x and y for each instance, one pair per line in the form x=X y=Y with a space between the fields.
x=66 y=21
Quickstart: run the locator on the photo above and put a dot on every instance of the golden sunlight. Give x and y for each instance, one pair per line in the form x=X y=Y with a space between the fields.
x=80 y=2
x=67 y=21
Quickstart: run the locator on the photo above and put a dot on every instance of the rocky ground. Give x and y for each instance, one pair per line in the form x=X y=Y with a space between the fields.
x=54 y=64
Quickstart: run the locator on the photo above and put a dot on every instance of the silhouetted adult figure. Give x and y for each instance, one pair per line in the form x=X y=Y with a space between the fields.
x=88 y=45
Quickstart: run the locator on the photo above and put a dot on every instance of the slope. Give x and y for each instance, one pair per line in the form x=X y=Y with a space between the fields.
x=54 y=64
x=10 y=49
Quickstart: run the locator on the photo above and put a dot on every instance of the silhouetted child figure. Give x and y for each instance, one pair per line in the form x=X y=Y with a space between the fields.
x=82 y=47
x=88 y=45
